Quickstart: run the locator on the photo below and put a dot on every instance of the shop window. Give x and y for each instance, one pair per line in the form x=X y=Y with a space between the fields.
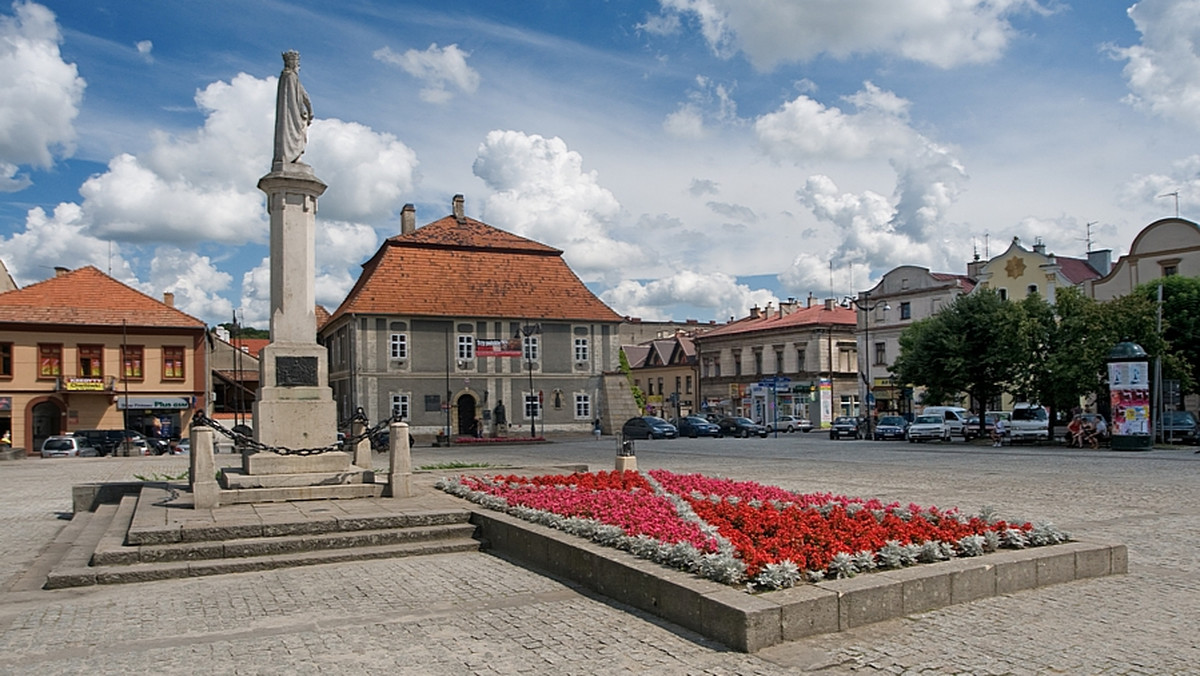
x=173 y=363
x=49 y=361
x=132 y=361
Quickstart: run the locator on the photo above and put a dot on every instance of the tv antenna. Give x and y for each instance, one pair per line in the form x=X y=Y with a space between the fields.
x=1175 y=194
x=1088 y=236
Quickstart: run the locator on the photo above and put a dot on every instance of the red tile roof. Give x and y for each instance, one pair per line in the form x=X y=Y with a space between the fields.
x=808 y=316
x=1077 y=270
x=88 y=297
x=252 y=345
x=963 y=281
x=452 y=268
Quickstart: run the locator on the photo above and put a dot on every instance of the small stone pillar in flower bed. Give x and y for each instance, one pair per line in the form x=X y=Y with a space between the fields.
x=626 y=460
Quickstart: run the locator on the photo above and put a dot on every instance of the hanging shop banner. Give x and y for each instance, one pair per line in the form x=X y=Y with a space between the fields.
x=85 y=384
x=498 y=347
x=1129 y=394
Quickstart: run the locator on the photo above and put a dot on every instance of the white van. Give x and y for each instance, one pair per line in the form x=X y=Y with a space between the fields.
x=955 y=417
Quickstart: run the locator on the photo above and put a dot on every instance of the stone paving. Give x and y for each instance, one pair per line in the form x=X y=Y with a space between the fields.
x=478 y=613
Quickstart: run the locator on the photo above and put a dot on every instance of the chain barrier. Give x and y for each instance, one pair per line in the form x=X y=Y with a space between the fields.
x=243 y=441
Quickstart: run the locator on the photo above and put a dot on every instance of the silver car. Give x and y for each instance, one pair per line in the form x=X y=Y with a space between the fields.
x=66 y=446
x=928 y=428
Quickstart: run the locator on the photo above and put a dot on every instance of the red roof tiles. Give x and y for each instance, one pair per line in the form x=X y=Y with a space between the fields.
x=815 y=315
x=468 y=268
x=88 y=297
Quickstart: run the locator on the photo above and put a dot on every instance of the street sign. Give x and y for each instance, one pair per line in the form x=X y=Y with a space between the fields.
x=774 y=381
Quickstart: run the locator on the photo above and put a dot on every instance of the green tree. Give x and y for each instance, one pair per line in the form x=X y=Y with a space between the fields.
x=1181 y=325
x=974 y=345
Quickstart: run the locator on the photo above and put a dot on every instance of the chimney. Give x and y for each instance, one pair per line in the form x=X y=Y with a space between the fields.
x=1101 y=260
x=754 y=312
x=408 y=220
x=168 y=299
x=809 y=302
x=59 y=270
x=459 y=215
x=975 y=268
x=1039 y=247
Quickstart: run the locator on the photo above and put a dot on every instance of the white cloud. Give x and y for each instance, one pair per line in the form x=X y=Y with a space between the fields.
x=805 y=128
x=654 y=300
x=685 y=123
x=1163 y=71
x=770 y=32
x=707 y=100
x=194 y=279
x=59 y=239
x=144 y=49
x=10 y=181
x=368 y=172
x=40 y=93
x=438 y=68
x=256 y=296
x=1149 y=192
x=542 y=192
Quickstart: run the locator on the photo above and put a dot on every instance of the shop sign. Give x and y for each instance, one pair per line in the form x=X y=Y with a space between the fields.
x=79 y=384
x=170 y=403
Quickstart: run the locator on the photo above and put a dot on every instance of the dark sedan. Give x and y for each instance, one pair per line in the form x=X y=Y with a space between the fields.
x=695 y=426
x=846 y=426
x=648 y=427
x=890 y=427
x=741 y=427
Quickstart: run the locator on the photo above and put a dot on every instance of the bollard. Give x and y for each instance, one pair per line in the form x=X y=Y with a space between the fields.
x=626 y=458
x=206 y=494
x=399 y=484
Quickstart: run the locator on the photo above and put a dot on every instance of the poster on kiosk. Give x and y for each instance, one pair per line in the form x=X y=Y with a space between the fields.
x=1129 y=394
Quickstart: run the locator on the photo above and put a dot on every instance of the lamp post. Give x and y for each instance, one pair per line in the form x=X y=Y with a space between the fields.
x=867 y=308
x=529 y=330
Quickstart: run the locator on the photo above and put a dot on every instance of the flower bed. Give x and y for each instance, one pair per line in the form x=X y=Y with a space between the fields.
x=742 y=531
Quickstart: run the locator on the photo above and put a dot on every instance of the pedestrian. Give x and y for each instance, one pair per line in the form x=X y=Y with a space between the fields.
x=1097 y=432
x=596 y=429
x=998 y=432
x=1075 y=432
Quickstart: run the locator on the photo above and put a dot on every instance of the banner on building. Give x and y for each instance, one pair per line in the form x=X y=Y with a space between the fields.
x=498 y=347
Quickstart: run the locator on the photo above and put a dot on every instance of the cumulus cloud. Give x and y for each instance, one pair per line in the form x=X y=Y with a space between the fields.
x=770 y=32
x=40 y=93
x=438 y=68
x=194 y=279
x=874 y=231
x=144 y=49
x=542 y=192
x=60 y=238
x=1163 y=71
x=10 y=181
x=1147 y=192
x=707 y=101
x=369 y=172
x=654 y=300
x=703 y=186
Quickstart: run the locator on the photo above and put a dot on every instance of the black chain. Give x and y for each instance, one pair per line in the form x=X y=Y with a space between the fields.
x=243 y=441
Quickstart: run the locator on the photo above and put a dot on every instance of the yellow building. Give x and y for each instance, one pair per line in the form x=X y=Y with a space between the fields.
x=83 y=351
x=1021 y=272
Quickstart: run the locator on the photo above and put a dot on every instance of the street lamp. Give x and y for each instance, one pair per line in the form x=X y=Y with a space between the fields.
x=529 y=330
x=867 y=307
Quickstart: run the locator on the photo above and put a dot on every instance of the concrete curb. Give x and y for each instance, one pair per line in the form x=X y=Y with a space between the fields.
x=751 y=622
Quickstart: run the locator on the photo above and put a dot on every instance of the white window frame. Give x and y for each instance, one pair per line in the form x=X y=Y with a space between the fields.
x=399 y=346
x=402 y=404
x=532 y=405
x=581 y=349
x=583 y=406
x=529 y=348
x=466 y=346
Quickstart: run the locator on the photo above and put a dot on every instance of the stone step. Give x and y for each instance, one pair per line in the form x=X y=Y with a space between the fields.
x=242 y=496
x=232 y=478
x=243 y=547
x=64 y=577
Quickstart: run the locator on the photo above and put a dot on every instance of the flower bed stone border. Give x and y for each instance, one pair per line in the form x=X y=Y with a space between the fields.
x=750 y=623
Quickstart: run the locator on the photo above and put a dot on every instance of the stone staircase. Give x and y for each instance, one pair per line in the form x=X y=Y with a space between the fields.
x=155 y=534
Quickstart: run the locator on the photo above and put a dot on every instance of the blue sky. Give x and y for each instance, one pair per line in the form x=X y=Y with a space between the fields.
x=692 y=158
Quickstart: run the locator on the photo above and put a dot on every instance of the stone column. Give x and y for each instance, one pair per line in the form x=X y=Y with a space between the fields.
x=206 y=493
x=400 y=466
x=295 y=406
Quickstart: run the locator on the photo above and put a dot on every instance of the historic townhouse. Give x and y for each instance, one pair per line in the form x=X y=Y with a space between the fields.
x=666 y=371
x=83 y=351
x=456 y=323
x=791 y=360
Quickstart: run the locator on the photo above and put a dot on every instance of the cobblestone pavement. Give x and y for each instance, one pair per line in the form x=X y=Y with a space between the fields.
x=478 y=613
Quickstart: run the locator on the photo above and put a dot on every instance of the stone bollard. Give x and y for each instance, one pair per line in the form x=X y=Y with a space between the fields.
x=206 y=494
x=626 y=460
x=399 y=484
x=362 y=451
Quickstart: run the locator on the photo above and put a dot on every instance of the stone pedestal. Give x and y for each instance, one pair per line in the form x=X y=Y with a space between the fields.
x=205 y=491
x=626 y=462
x=399 y=484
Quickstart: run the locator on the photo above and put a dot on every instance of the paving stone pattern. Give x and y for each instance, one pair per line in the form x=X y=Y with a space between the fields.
x=477 y=613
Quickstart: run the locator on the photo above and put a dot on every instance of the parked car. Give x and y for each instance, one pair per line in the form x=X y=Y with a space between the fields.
x=741 y=427
x=648 y=427
x=955 y=417
x=989 y=424
x=846 y=426
x=928 y=428
x=1178 y=427
x=695 y=426
x=106 y=442
x=789 y=423
x=67 y=446
x=1029 y=421
x=890 y=427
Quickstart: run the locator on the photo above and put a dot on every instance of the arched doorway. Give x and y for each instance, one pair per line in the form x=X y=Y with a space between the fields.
x=45 y=421
x=466 y=414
